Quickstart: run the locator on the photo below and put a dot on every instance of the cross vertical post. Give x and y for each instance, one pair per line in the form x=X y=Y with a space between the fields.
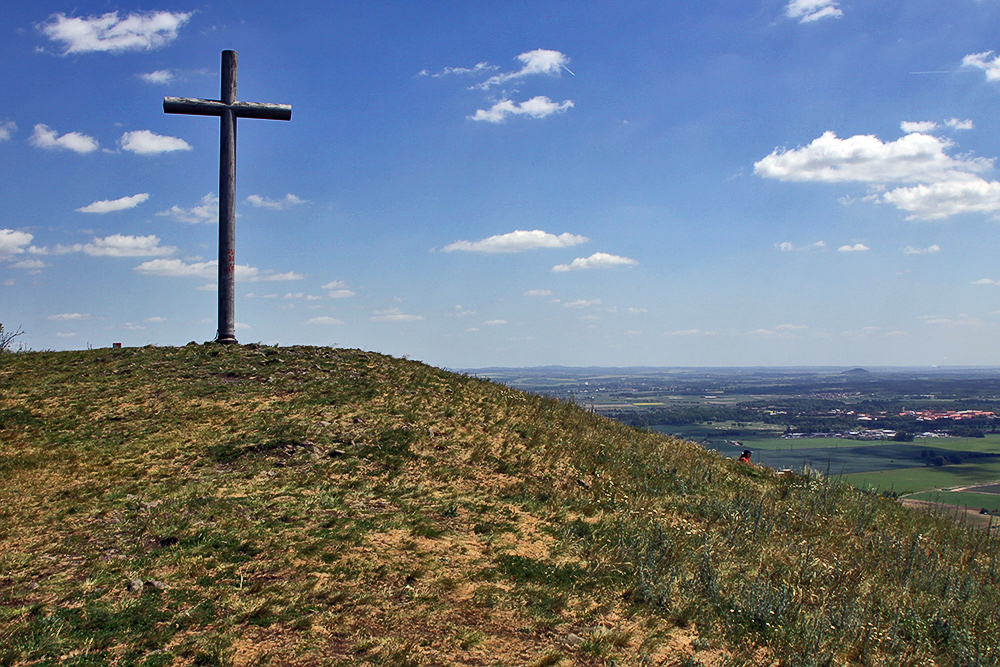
x=228 y=109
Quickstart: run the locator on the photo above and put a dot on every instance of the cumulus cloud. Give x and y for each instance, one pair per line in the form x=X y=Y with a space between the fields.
x=13 y=242
x=517 y=241
x=394 y=315
x=582 y=303
x=46 y=137
x=956 y=124
x=160 y=76
x=29 y=264
x=176 y=268
x=207 y=210
x=494 y=323
x=985 y=281
x=857 y=247
x=120 y=245
x=144 y=142
x=69 y=317
x=539 y=61
x=537 y=107
x=538 y=292
x=914 y=157
x=109 y=205
x=807 y=11
x=7 y=129
x=918 y=126
x=116 y=245
x=599 y=260
x=929 y=250
x=142 y=31
x=934 y=184
x=985 y=61
x=275 y=204
x=325 y=319
x=788 y=246
x=946 y=198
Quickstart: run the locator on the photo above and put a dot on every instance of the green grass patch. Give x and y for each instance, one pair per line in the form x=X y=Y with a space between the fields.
x=912 y=480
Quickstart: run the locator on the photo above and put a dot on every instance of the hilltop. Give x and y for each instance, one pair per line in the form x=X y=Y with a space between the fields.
x=256 y=505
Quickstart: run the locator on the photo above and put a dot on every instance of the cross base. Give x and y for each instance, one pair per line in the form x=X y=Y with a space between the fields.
x=227 y=340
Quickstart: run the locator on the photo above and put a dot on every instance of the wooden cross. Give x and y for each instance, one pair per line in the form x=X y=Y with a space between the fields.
x=229 y=109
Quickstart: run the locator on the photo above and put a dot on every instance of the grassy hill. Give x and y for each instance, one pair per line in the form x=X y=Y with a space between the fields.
x=253 y=505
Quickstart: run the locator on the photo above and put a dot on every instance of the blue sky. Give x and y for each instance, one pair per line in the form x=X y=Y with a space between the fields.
x=471 y=184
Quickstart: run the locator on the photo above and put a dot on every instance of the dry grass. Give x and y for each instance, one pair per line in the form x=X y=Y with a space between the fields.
x=254 y=505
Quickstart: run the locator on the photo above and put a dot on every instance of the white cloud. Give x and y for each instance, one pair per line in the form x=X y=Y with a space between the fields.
x=65 y=334
x=983 y=61
x=636 y=311
x=336 y=284
x=857 y=247
x=963 y=320
x=394 y=315
x=494 y=323
x=69 y=317
x=160 y=76
x=909 y=126
x=12 y=242
x=945 y=199
x=110 y=34
x=583 y=303
x=537 y=107
x=936 y=185
x=7 y=128
x=109 y=205
x=985 y=281
x=46 y=137
x=275 y=204
x=914 y=157
x=684 y=332
x=176 y=268
x=340 y=294
x=788 y=246
x=144 y=142
x=447 y=71
x=325 y=319
x=116 y=245
x=781 y=331
x=929 y=250
x=539 y=61
x=29 y=264
x=956 y=124
x=206 y=211
x=807 y=11
x=517 y=241
x=538 y=292
x=119 y=245
x=155 y=320
x=599 y=260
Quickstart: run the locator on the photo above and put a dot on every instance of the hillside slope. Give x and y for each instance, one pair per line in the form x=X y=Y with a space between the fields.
x=254 y=505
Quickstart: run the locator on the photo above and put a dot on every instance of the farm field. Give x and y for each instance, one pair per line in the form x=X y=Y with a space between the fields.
x=913 y=480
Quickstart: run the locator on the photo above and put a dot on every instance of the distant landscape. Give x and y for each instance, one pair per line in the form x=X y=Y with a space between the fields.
x=924 y=433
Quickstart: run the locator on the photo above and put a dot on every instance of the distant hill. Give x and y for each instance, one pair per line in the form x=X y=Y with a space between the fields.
x=857 y=372
x=253 y=505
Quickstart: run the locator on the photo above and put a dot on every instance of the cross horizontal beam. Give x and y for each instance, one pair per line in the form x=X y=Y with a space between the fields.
x=195 y=106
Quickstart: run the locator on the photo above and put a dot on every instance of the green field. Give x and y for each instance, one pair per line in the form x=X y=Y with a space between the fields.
x=910 y=480
x=989 y=501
